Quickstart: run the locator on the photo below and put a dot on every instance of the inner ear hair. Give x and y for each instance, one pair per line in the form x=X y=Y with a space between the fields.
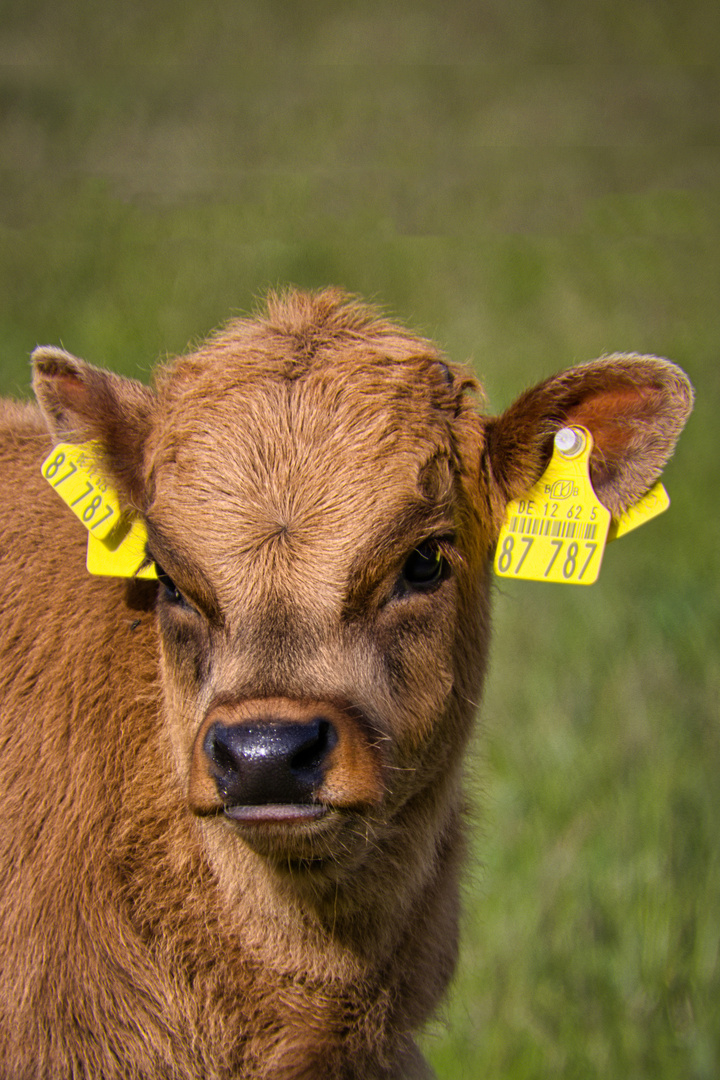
x=633 y=406
x=81 y=403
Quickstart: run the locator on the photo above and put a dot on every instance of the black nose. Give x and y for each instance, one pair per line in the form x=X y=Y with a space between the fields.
x=254 y=764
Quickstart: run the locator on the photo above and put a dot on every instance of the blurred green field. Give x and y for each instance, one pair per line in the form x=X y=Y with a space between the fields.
x=531 y=184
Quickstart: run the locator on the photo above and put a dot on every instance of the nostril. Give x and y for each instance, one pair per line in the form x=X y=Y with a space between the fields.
x=310 y=758
x=218 y=751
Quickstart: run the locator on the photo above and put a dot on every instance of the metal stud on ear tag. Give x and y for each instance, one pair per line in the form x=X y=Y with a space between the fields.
x=558 y=531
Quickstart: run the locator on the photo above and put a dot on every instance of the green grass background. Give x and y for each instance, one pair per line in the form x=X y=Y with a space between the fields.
x=532 y=184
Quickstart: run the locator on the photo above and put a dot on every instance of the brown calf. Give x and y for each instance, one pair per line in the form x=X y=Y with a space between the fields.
x=231 y=802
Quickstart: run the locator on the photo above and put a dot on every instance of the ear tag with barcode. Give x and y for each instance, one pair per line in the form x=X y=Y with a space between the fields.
x=116 y=539
x=557 y=532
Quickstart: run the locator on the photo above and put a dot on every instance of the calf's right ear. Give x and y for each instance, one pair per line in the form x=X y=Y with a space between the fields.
x=633 y=406
x=82 y=403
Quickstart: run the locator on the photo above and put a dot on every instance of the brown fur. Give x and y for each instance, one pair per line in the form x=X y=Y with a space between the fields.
x=286 y=470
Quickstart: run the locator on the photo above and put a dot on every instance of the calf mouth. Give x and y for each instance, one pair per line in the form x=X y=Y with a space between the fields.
x=276 y=813
x=319 y=842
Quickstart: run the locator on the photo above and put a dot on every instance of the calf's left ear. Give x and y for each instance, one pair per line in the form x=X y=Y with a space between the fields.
x=82 y=403
x=634 y=407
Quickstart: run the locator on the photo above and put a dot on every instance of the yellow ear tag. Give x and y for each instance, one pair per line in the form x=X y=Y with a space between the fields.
x=654 y=502
x=122 y=554
x=116 y=540
x=558 y=531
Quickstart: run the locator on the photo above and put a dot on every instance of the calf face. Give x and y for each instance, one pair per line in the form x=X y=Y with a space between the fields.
x=322 y=497
x=316 y=514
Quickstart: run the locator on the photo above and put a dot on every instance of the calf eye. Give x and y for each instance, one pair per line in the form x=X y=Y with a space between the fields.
x=425 y=567
x=172 y=592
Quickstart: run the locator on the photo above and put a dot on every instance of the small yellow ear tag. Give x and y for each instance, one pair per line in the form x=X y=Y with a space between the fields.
x=122 y=554
x=558 y=531
x=654 y=502
x=116 y=540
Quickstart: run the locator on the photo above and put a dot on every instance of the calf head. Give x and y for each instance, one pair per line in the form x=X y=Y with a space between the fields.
x=322 y=497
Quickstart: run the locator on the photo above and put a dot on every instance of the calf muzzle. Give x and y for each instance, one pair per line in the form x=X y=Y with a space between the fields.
x=282 y=760
x=271 y=762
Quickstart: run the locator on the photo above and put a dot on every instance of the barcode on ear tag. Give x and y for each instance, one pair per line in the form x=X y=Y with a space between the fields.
x=557 y=532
